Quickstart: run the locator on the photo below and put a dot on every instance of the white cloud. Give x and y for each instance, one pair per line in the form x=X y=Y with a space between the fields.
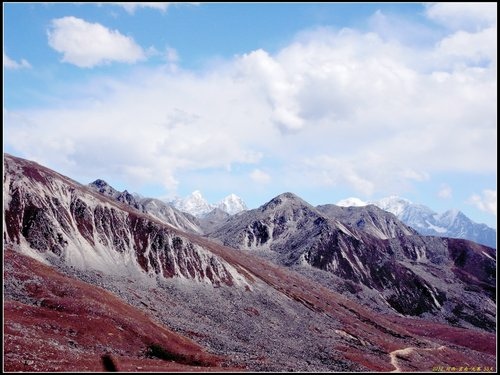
x=351 y=202
x=395 y=28
x=334 y=107
x=468 y=16
x=132 y=7
x=486 y=202
x=445 y=191
x=145 y=129
x=260 y=177
x=87 y=44
x=474 y=47
x=279 y=88
x=326 y=170
x=8 y=63
x=171 y=55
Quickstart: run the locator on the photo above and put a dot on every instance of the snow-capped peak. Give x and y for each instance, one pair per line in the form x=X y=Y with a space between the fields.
x=194 y=204
x=197 y=195
x=232 y=204
x=351 y=202
x=449 y=217
x=452 y=223
x=393 y=204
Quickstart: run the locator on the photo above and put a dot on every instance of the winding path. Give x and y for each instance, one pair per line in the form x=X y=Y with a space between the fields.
x=405 y=352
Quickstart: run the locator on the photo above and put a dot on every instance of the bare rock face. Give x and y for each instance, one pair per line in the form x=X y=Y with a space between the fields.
x=153 y=207
x=369 y=219
x=376 y=255
x=213 y=219
x=53 y=216
x=452 y=223
x=170 y=215
x=180 y=301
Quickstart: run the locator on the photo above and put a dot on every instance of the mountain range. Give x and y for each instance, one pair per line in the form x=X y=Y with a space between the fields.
x=452 y=223
x=94 y=276
x=196 y=205
x=374 y=256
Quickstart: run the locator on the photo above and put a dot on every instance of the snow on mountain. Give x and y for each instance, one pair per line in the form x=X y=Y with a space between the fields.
x=395 y=205
x=226 y=300
x=154 y=207
x=232 y=204
x=449 y=217
x=193 y=204
x=371 y=249
x=351 y=202
x=182 y=213
x=370 y=219
x=196 y=205
x=452 y=223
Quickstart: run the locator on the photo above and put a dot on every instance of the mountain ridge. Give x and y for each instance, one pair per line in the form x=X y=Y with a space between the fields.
x=372 y=252
x=250 y=312
x=154 y=207
x=196 y=205
x=451 y=223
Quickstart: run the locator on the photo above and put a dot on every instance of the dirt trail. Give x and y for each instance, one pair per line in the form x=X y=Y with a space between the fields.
x=404 y=352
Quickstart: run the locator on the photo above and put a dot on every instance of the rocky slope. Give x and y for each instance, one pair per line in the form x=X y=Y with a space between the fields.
x=153 y=207
x=375 y=257
x=369 y=219
x=213 y=219
x=451 y=223
x=51 y=216
x=238 y=308
x=53 y=322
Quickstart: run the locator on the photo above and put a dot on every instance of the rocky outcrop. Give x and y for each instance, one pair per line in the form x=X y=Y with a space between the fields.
x=369 y=219
x=53 y=216
x=375 y=255
x=280 y=320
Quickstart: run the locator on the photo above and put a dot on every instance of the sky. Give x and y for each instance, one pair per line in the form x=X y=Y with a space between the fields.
x=325 y=100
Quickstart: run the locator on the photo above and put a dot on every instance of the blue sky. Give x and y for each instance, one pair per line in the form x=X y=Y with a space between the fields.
x=325 y=100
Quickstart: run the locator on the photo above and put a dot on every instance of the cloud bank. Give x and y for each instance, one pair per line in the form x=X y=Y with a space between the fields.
x=331 y=108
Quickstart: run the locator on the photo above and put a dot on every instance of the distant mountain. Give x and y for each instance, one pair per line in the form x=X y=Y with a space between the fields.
x=375 y=257
x=232 y=204
x=227 y=306
x=213 y=219
x=125 y=197
x=154 y=207
x=196 y=205
x=193 y=213
x=370 y=219
x=452 y=223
